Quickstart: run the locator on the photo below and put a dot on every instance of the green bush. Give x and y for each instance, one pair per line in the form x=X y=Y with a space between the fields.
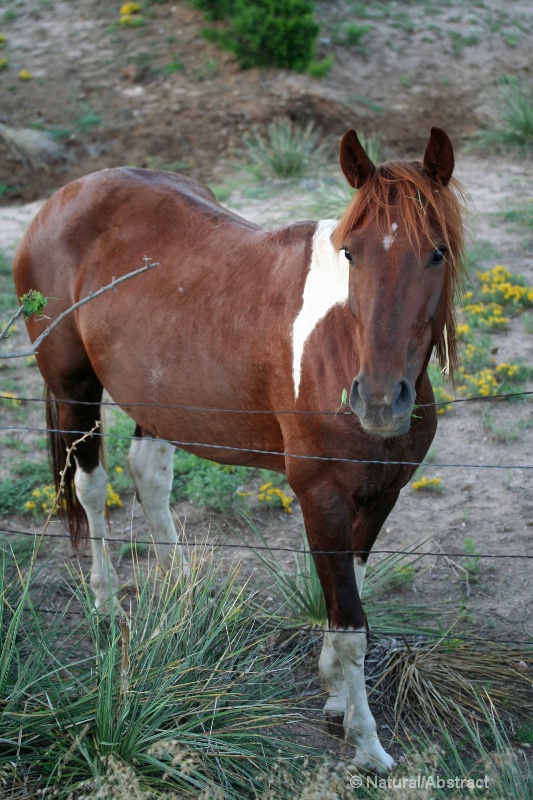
x=215 y=9
x=268 y=33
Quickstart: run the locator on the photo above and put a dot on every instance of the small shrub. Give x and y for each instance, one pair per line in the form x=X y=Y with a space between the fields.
x=215 y=9
x=269 y=33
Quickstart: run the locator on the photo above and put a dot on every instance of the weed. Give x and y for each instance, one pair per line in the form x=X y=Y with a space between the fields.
x=403 y=21
x=350 y=33
x=319 y=69
x=15 y=491
x=209 y=484
x=471 y=564
x=525 y=733
x=89 y=119
x=173 y=66
x=288 y=151
x=442 y=397
x=428 y=484
x=528 y=323
x=515 y=112
x=520 y=217
x=178 y=697
x=460 y=41
x=502 y=431
x=275 y=497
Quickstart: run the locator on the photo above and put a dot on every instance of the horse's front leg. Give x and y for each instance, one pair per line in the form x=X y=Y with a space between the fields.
x=329 y=520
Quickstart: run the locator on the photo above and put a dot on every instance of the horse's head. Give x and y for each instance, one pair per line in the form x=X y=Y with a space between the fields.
x=403 y=238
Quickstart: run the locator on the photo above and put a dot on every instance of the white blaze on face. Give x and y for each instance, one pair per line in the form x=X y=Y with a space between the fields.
x=388 y=241
x=326 y=286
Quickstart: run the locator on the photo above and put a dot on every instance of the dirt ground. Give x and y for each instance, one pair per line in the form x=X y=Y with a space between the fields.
x=160 y=95
x=401 y=80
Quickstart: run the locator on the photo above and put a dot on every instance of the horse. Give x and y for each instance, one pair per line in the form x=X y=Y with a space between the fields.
x=281 y=326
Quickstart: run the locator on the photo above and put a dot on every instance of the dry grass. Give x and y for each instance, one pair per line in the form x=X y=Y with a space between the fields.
x=33 y=148
x=425 y=682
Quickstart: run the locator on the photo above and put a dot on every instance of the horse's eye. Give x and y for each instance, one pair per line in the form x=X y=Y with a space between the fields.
x=348 y=255
x=438 y=256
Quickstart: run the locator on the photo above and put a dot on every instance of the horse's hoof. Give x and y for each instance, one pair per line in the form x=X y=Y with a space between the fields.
x=334 y=724
x=334 y=711
x=373 y=758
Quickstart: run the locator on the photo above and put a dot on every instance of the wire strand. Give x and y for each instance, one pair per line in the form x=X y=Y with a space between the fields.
x=278 y=412
x=277 y=453
x=268 y=548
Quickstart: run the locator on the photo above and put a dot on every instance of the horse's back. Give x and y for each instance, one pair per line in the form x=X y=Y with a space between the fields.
x=222 y=287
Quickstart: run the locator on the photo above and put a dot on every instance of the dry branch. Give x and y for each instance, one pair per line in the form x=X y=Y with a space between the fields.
x=91 y=296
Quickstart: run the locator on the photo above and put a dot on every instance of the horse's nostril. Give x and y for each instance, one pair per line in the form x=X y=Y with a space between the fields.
x=403 y=399
x=355 y=399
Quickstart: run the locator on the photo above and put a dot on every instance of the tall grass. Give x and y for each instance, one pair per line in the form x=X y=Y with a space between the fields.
x=288 y=150
x=301 y=600
x=182 y=698
x=515 y=116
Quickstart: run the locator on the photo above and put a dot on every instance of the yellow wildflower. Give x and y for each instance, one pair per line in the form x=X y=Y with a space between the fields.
x=129 y=8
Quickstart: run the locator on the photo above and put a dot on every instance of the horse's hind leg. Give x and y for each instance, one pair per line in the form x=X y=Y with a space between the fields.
x=150 y=465
x=91 y=490
x=66 y=423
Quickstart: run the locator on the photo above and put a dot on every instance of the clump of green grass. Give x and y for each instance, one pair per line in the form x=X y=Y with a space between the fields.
x=515 y=116
x=302 y=600
x=184 y=697
x=288 y=150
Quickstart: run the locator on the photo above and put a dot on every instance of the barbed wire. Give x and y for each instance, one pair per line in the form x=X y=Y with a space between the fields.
x=378 y=632
x=301 y=551
x=231 y=546
x=277 y=412
x=258 y=451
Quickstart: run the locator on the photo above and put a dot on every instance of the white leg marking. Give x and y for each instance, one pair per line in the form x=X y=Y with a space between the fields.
x=326 y=286
x=360 y=572
x=359 y=724
x=91 y=492
x=329 y=665
x=150 y=464
x=330 y=669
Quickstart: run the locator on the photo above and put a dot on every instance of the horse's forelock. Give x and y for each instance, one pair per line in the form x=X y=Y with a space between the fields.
x=402 y=191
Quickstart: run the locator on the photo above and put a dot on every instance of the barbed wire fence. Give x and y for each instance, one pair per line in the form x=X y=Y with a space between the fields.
x=8 y=531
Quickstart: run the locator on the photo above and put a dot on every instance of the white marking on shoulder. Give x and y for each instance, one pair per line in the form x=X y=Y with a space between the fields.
x=388 y=241
x=326 y=286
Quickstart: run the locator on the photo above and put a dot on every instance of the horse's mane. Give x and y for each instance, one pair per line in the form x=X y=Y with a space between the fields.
x=401 y=190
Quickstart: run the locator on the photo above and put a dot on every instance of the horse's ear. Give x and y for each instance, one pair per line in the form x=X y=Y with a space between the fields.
x=355 y=163
x=439 y=159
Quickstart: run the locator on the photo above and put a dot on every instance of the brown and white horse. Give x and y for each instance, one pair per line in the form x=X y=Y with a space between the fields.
x=238 y=318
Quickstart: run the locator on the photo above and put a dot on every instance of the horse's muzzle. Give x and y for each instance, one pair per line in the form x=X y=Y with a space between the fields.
x=384 y=410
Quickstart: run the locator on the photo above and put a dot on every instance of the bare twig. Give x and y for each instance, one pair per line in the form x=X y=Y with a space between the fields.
x=62 y=478
x=91 y=296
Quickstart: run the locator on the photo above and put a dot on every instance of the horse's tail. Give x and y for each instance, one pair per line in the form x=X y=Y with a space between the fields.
x=69 y=507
